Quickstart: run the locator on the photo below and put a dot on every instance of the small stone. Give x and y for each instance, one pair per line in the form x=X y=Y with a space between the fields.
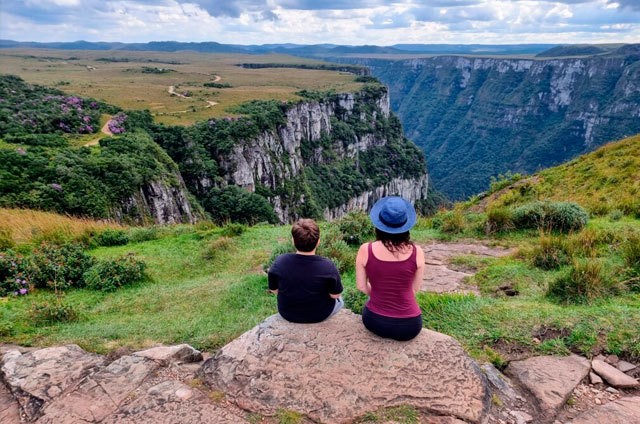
x=611 y=390
x=598 y=401
x=600 y=358
x=612 y=359
x=625 y=366
x=182 y=353
x=613 y=376
x=595 y=378
x=184 y=393
x=536 y=340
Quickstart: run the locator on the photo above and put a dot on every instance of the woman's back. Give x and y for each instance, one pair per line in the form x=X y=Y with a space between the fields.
x=391 y=276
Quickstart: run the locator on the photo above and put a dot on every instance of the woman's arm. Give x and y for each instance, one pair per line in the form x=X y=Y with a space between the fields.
x=417 y=279
x=361 y=275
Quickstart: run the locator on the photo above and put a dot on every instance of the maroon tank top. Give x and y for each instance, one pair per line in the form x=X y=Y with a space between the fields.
x=391 y=286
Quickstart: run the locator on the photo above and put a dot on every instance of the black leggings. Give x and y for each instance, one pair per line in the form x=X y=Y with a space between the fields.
x=400 y=329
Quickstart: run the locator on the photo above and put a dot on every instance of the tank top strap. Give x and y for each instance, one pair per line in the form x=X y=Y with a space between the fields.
x=370 y=251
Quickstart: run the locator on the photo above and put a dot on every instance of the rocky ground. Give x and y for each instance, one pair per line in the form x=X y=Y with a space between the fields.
x=331 y=372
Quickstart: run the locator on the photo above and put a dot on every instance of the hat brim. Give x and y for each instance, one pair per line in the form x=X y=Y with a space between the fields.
x=374 y=215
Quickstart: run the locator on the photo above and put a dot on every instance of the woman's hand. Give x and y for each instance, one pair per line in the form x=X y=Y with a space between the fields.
x=361 y=274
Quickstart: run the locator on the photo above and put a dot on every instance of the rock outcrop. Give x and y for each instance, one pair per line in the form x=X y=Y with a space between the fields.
x=622 y=411
x=336 y=371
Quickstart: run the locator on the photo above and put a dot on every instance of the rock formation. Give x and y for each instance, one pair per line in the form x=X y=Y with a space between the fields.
x=336 y=371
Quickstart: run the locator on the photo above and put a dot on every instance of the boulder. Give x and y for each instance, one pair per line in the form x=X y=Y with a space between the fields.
x=181 y=353
x=171 y=402
x=39 y=377
x=101 y=393
x=622 y=411
x=336 y=371
x=613 y=376
x=550 y=379
x=625 y=366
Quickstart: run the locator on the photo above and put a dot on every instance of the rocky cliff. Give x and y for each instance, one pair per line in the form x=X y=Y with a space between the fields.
x=319 y=157
x=476 y=117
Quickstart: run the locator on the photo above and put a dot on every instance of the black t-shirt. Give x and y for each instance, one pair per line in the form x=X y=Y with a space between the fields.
x=304 y=283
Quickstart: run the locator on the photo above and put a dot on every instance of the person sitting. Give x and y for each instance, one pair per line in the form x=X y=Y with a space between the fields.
x=308 y=286
x=390 y=272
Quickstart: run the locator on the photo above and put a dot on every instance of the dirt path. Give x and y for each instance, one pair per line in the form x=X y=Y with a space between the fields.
x=217 y=78
x=442 y=277
x=104 y=130
x=172 y=90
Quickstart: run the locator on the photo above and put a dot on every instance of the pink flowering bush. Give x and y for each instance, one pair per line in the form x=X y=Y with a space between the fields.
x=116 y=124
x=14 y=280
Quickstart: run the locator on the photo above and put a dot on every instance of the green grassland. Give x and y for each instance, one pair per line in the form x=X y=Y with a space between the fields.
x=120 y=80
x=200 y=293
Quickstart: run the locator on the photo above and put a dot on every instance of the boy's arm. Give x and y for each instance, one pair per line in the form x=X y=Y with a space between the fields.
x=273 y=279
x=335 y=290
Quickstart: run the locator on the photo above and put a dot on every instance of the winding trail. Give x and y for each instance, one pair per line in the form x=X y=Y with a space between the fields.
x=210 y=103
x=104 y=130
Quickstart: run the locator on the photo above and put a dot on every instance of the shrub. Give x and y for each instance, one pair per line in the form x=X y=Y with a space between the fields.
x=498 y=220
x=232 y=203
x=44 y=313
x=550 y=253
x=216 y=246
x=356 y=228
x=111 y=237
x=280 y=249
x=451 y=222
x=583 y=282
x=14 y=279
x=560 y=216
x=233 y=230
x=110 y=274
x=340 y=253
x=354 y=299
x=137 y=235
x=60 y=266
x=631 y=253
x=615 y=215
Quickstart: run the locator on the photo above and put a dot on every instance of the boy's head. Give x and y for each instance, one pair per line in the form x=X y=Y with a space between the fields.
x=305 y=234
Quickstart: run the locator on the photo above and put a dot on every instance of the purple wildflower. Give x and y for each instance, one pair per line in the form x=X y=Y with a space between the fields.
x=56 y=187
x=86 y=118
x=15 y=293
x=21 y=151
x=1 y=100
x=23 y=291
x=93 y=105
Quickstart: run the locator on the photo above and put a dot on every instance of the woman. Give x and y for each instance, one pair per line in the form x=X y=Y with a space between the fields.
x=390 y=270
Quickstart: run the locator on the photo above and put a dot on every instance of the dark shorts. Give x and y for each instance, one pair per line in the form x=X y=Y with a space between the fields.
x=400 y=329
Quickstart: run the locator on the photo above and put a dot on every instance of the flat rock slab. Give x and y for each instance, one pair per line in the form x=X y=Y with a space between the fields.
x=172 y=402
x=9 y=408
x=182 y=353
x=613 y=376
x=336 y=371
x=550 y=379
x=100 y=394
x=622 y=411
x=439 y=277
x=38 y=377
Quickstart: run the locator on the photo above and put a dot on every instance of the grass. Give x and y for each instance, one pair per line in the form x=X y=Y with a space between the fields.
x=125 y=85
x=25 y=226
x=206 y=289
x=604 y=181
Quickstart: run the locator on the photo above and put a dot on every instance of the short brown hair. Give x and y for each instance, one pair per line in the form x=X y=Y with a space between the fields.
x=305 y=234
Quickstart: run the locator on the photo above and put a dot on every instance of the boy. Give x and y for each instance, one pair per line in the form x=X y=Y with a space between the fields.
x=308 y=286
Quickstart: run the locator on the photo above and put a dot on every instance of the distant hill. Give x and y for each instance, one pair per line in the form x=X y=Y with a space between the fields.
x=602 y=181
x=579 y=50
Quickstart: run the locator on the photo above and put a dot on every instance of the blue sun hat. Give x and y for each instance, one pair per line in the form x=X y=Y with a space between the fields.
x=393 y=215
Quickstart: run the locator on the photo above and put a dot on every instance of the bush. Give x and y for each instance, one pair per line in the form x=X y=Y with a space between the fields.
x=59 y=266
x=354 y=299
x=50 y=313
x=615 y=215
x=216 y=246
x=559 y=216
x=233 y=230
x=111 y=237
x=550 y=253
x=340 y=253
x=14 y=270
x=280 y=249
x=583 y=282
x=137 y=235
x=232 y=203
x=356 y=228
x=498 y=220
x=631 y=253
x=111 y=274
x=451 y=222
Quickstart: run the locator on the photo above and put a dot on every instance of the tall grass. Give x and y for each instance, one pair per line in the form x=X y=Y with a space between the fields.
x=26 y=226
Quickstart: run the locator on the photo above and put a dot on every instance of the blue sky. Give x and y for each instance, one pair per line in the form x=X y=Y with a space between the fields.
x=378 y=22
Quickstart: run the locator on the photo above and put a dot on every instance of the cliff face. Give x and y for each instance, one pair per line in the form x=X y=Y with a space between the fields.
x=477 y=117
x=162 y=201
x=344 y=130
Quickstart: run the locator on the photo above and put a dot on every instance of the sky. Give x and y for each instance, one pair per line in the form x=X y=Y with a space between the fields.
x=353 y=22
